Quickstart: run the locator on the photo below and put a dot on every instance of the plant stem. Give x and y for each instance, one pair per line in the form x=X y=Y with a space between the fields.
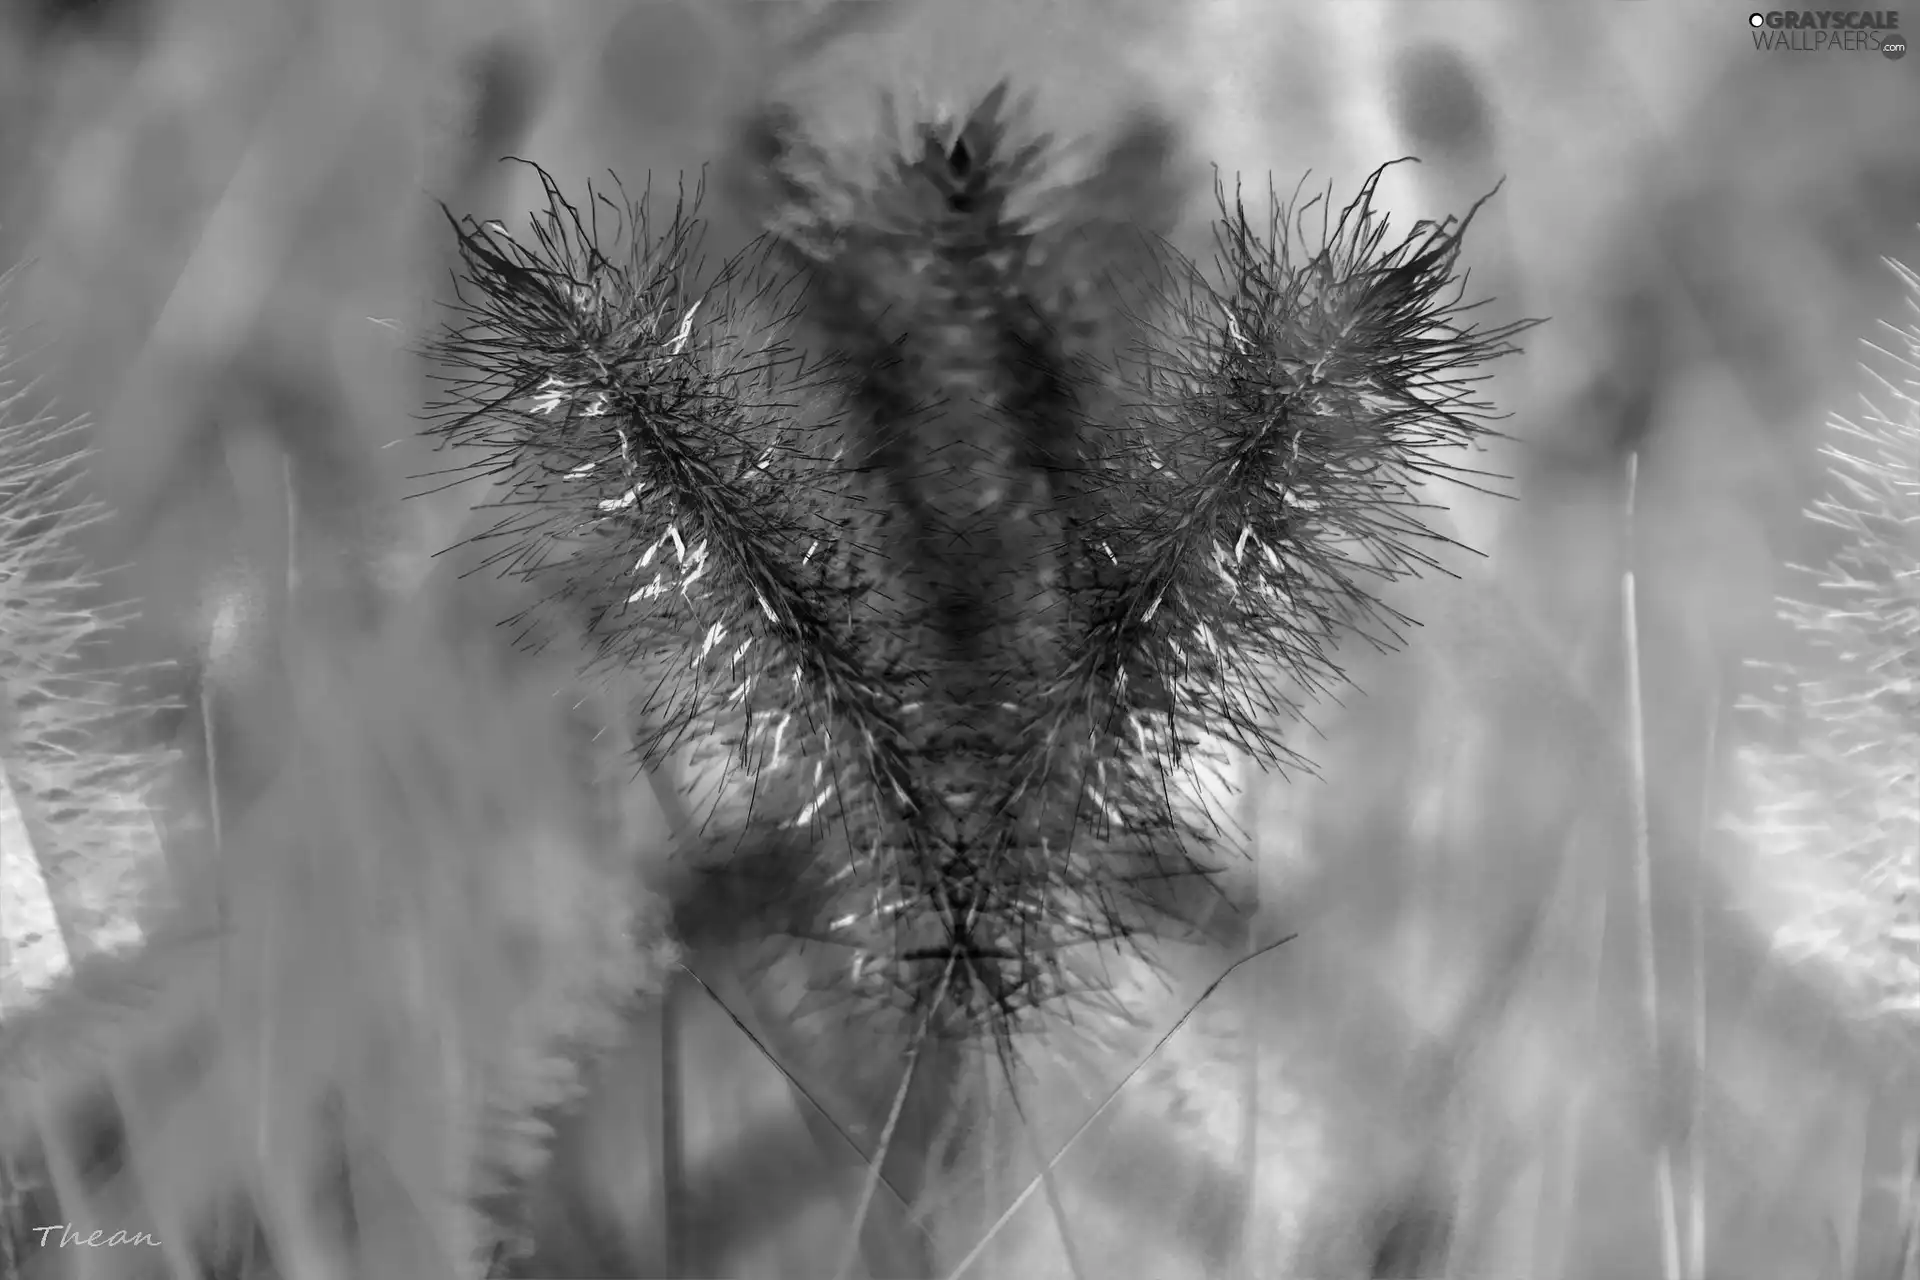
x=673 y=1155
x=1697 y=1163
x=1643 y=878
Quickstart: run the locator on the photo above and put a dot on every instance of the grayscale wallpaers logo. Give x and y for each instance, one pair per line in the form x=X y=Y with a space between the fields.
x=1822 y=31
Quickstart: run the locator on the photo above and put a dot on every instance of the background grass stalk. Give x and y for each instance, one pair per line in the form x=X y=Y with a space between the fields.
x=673 y=1137
x=871 y=1183
x=1696 y=1131
x=1664 y=1191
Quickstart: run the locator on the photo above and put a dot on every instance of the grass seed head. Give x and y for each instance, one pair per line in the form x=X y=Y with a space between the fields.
x=965 y=517
x=72 y=743
x=1835 y=796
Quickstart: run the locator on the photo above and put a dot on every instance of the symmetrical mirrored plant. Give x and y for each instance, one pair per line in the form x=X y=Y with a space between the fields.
x=960 y=519
x=953 y=532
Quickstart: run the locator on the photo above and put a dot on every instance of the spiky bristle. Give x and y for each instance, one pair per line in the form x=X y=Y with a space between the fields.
x=1832 y=798
x=72 y=747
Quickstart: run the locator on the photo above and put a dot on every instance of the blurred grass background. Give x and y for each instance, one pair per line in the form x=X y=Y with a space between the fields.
x=228 y=211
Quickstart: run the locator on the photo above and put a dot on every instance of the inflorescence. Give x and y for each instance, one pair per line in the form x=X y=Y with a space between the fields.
x=1837 y=798
x=952 y=580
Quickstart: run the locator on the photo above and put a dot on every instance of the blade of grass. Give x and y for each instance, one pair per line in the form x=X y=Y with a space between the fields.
x=973 y=1256
x=795 y=1084
x=990 y=1180
x=1579 y=1103
x=1849 y=1196
x=871 y=1184
x=1047 y=1182
x=673 y=1137
x=1643 y=877
x=1696 y=1131
x=1910 y=1204
x=1249 y=1154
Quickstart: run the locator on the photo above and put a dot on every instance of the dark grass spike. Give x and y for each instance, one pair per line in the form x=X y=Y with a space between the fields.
x=1285 y=419
x=937 y=282
x=1261 y=483
x=663 y=462
x=1266 y=481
